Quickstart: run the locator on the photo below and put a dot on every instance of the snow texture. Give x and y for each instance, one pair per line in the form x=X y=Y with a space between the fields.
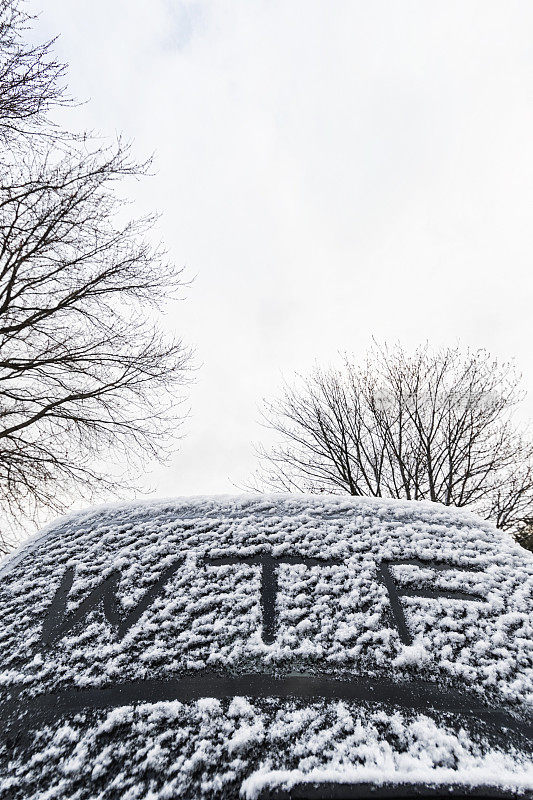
x=330 y=618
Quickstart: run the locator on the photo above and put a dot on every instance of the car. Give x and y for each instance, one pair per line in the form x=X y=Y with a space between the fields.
x=267 y=646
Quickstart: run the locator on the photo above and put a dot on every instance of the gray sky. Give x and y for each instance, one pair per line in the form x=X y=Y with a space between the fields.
x=329 y=172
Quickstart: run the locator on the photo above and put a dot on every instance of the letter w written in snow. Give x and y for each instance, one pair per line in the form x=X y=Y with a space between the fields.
x=396 y=591
x=57 y=622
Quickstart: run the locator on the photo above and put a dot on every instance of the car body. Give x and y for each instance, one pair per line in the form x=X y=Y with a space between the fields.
x=283 y=646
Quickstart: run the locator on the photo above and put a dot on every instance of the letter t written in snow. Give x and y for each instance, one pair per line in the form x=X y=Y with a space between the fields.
x=269 y=581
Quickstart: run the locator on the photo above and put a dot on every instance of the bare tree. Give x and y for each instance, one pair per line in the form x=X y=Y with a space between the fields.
x=436 y=426
x=31 y=81
x=87 y=378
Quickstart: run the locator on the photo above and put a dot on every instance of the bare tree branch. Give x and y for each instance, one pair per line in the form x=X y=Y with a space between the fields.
x=436 y=426
x=87 y=378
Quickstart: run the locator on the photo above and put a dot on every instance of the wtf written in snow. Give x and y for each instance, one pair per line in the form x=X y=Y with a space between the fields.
x=256 y=643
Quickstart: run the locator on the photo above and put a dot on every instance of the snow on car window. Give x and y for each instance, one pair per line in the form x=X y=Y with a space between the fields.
x=219 y=647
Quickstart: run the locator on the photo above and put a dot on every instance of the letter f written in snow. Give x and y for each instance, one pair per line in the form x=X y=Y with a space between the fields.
x=395 y=591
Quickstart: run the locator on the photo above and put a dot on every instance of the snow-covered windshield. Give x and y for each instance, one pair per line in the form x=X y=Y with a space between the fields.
x=239 y=647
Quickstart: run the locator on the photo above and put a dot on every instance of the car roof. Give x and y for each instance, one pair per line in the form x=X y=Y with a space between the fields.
x=267 y=646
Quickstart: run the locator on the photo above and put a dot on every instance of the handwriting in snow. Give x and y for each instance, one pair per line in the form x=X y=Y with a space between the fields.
x=58 y=622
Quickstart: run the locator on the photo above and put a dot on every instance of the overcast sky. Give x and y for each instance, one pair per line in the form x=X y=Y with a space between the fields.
x=329 y=172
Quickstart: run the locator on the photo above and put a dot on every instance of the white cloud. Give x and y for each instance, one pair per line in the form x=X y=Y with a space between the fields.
x=329 y=172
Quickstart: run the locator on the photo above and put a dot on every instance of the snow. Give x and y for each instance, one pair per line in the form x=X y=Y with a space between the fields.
x=177 y=730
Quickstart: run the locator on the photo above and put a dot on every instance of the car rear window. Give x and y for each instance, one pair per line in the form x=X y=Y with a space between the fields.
x=254 y=647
